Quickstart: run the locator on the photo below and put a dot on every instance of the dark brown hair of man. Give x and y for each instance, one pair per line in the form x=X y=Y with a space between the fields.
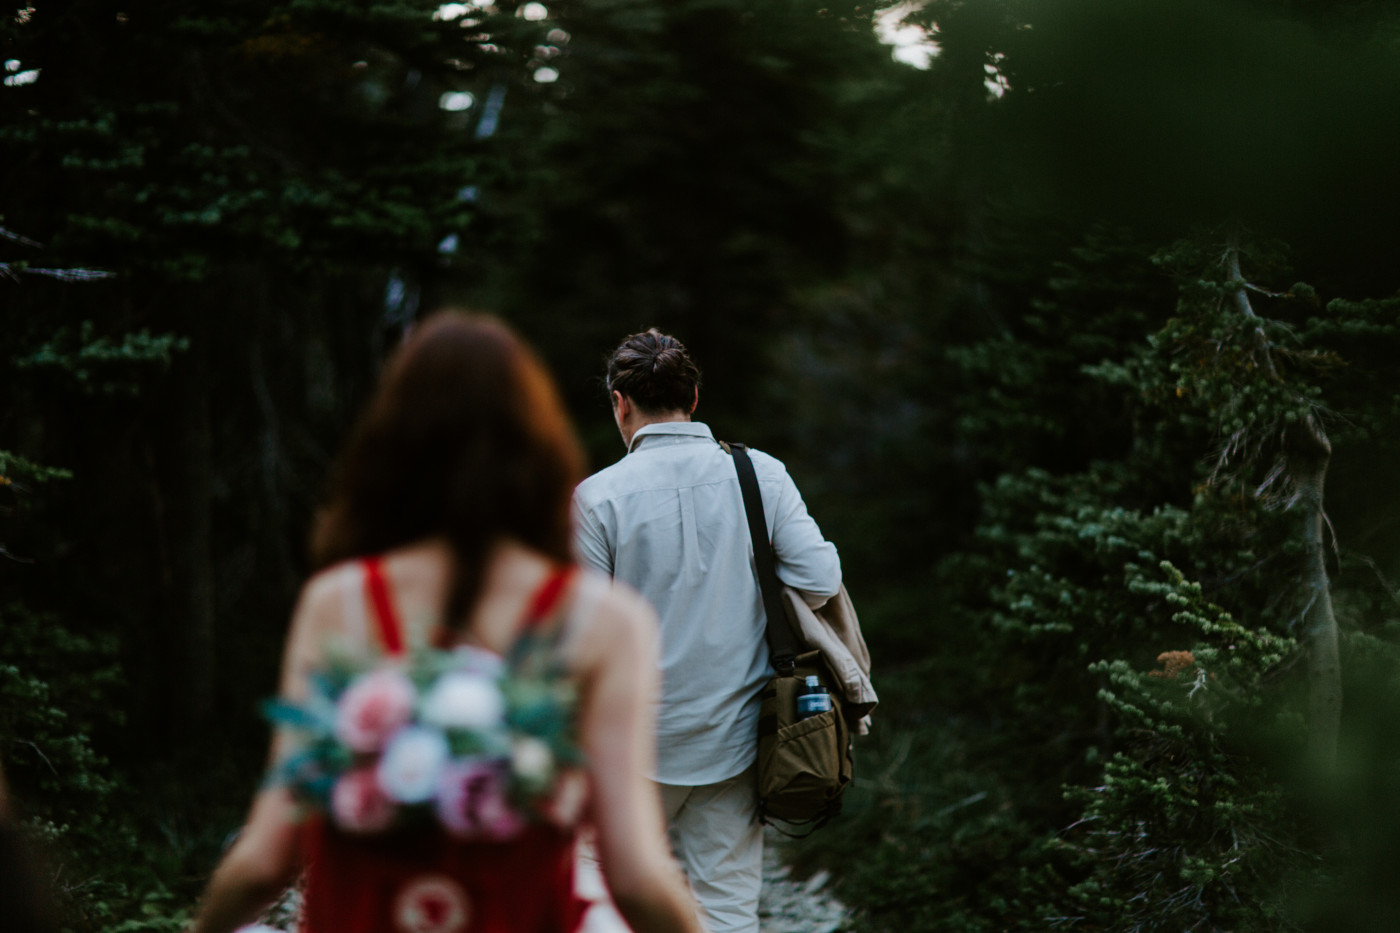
x=655 y=372
x=465 y=438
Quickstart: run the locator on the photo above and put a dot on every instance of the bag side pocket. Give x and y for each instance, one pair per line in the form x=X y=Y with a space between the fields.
x=804 y=770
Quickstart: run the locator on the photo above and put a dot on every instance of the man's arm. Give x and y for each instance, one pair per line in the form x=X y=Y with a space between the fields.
x=591 y=539
x=806 y=561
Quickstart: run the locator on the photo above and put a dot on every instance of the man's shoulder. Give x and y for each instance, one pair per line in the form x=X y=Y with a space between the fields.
x=602 y=484
x=757 y=455
x=625 y=477
x=766 y=465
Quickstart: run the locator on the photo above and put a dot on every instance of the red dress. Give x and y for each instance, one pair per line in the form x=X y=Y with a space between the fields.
x=426 y=881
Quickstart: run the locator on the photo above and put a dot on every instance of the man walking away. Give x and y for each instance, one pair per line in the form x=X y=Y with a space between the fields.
x=668 y=519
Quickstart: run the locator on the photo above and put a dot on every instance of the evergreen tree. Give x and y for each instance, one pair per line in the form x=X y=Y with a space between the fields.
x=249 y=176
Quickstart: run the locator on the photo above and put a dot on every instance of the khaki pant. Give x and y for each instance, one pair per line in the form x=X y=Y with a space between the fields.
x=716 y=837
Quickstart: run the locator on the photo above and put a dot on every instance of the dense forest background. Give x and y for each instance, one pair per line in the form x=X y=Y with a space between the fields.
x=1080 y=340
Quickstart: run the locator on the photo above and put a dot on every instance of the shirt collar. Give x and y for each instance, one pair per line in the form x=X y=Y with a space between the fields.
x=675 y=429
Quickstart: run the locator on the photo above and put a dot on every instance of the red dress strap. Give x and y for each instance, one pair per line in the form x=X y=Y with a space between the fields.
x=547 y=597
x=387 y=621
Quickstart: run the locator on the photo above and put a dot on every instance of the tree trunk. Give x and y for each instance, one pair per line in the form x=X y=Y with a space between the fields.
x=1309 y=452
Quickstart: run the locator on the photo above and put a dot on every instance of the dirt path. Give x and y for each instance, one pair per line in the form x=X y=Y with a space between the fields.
x=785 y=905
x=789 y=906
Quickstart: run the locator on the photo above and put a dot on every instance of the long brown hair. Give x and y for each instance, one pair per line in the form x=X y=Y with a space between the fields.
x=465 y=438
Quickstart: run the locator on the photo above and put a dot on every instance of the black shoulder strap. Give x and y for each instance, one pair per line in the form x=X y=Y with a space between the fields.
x=782 y=645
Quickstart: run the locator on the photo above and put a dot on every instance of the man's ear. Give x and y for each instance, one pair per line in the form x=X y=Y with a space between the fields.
x=622 y=406
x=696 y=401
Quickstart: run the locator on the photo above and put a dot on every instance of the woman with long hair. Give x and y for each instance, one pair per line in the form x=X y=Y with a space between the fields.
x=447 y=537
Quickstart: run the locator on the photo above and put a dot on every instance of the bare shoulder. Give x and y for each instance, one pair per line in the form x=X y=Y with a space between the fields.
x=326 y=589
x=320 y=609
x=326 y=585
x=616 y=617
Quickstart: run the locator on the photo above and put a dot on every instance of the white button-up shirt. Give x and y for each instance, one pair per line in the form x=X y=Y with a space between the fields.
x=669 y=520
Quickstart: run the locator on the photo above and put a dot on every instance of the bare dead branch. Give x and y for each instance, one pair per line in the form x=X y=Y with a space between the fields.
x=1276 y=472
x=1265 y=291
x=1303 y=614
x=1386 y=585
x=40 y=752
x=73 y=275
x=1332 y=535
x=1241 y=296
x=10 y=555
x=16 y=238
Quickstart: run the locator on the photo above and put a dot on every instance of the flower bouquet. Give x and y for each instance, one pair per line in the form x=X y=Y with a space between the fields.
x=460 y=737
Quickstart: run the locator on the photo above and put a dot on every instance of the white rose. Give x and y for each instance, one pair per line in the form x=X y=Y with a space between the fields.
x=470 y=659
x=531 y=760
x=463 y=701
x=412 y=764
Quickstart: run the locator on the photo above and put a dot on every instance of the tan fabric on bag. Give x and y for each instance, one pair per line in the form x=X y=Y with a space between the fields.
x=834 y=630
x=804 y=764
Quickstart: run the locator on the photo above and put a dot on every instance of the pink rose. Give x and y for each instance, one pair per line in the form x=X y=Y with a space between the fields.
x=472 y=803
x=358 y=804
x=372 y=708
